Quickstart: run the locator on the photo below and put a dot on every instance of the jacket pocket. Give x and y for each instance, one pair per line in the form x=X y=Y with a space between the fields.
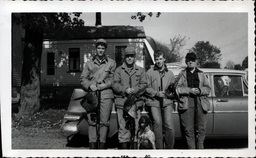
x=205 y=103
x=137 y=77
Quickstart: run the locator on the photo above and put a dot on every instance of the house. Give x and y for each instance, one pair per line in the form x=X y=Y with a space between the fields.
x=64 y=54
x=18 y=34
x=63 y=59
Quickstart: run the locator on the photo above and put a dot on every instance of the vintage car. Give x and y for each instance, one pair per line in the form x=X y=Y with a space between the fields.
x=227 y=117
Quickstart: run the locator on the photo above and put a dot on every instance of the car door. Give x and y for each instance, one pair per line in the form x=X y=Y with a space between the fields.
x=230 y=105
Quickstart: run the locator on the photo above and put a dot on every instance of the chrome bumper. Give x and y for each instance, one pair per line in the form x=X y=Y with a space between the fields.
x=70 y=123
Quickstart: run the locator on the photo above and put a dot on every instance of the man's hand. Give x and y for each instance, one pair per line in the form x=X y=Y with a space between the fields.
x=93 y=88
x=160 y=94
x=129 y=90
x=102 y=86
x=194 y=91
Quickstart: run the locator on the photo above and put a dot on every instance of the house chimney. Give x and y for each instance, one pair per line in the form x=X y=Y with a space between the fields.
x=98 y=19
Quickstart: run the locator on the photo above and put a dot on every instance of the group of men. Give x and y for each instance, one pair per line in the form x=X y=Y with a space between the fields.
x=129 y=87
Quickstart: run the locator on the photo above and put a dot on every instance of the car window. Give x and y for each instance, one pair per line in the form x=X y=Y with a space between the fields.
x=245 y=89
x=228 y=85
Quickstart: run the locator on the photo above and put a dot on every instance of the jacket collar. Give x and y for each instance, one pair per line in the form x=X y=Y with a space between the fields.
x=124 y=66
x=165 y=68
x=184 y=72
x=196 y=70
x=97 y=60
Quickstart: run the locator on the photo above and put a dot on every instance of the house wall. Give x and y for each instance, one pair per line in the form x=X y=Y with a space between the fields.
x=60 y=49
x=18 y=34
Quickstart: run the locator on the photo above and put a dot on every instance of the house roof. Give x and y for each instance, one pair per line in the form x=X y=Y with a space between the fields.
x=93 y=32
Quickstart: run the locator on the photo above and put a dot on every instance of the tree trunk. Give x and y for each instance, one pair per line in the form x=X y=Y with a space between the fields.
x=30 y=84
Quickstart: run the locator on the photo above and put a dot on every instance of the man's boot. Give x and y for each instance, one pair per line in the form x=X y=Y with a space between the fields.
x=93 y=145
x=124 y=145
x=102 y=145
x=200 y=145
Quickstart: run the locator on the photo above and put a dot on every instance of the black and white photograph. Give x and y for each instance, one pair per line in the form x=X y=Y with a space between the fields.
x=127 y=79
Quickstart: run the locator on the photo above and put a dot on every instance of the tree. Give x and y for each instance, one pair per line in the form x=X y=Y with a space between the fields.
x=36 y=25
x=238 y=67
x=212 y=64
x=170 y=57
x=172 y=50
x=245 y=63
x=206 y=52
x=230 y=65
x=142 y=16
x=176 y=43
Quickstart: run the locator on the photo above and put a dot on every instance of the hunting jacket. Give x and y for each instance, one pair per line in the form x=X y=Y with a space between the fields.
x=97 y=72
x=154 y=84
x=183 y=91
x=136 y=79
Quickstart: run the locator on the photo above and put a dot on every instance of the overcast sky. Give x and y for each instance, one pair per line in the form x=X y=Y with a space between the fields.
x=227 y=31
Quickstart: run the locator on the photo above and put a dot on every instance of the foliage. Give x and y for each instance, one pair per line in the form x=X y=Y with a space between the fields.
x=35 y=26
x=47 y=21
x=206 y=52
x=245 y=63
x=142 y=16
x=172 y=50
x=169 y=56
x=238 y=67
x=212 y=64
x=176 y=43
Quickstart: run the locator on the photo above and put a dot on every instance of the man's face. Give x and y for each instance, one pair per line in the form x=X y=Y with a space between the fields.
x=100 y=50
x=191 y=63
x=130 y=59
x=160 y=61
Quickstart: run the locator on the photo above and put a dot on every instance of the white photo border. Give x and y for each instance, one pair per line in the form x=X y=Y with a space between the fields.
x=8 y=7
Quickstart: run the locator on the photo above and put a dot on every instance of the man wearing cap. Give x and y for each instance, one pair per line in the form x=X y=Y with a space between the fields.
x=160 y=107
x=97 y=76
x=193 y=88
x=129 y=80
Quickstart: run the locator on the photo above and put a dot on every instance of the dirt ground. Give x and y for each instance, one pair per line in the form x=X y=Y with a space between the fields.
x=41 y=131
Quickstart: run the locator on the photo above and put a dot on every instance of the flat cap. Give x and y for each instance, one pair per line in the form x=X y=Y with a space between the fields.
x=130 y=50
x=101 y=41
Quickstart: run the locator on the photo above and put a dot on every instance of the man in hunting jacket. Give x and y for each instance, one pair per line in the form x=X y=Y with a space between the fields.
x=97 y=76
x=193 y=88
x=160 y=107
x=129 y=79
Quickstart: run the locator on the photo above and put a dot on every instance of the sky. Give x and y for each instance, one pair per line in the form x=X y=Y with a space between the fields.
x=227 y=31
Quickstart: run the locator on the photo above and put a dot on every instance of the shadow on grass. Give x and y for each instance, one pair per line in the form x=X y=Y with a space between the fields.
x=83 y=141
x=78 y=140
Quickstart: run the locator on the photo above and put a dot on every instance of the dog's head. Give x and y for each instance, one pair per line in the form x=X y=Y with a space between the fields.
x=144 y=122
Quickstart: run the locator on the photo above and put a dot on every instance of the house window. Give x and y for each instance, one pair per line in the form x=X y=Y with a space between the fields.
x=74 y=59
x=50 y=63
x=119 y=55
